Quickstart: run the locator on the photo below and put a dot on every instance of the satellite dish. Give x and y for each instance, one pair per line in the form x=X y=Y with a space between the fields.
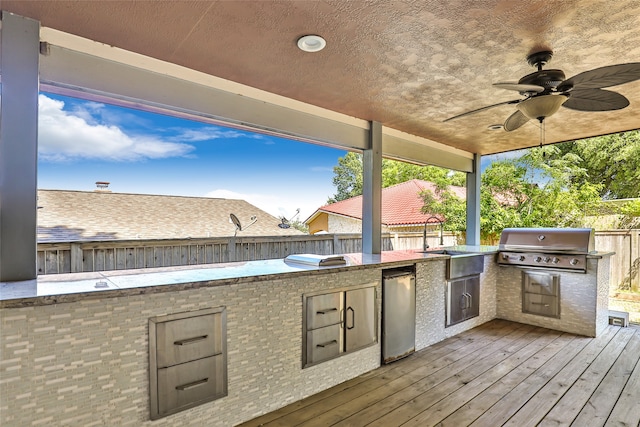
x=285 y=223
x=236 y=222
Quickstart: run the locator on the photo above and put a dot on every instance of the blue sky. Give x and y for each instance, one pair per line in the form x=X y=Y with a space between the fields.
x=81 y=142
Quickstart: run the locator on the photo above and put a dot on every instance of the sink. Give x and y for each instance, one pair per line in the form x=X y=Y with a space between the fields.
x=445 y=252
x=460 y=264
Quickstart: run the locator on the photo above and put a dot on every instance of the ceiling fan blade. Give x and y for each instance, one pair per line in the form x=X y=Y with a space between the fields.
x=515 y=121
x=513 y=101
x=595 y=100
x=519 y=87
x=598 y=78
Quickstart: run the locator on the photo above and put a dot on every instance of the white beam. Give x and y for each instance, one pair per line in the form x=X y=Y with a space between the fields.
x=414 y=149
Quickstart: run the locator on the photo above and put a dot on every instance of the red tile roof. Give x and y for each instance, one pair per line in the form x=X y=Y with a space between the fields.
x=401 y=203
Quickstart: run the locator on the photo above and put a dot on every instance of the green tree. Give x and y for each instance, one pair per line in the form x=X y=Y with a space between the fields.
x=611 y=160
x=395 y=172
x=444 y=202
x=348 y=175
x=535 y=190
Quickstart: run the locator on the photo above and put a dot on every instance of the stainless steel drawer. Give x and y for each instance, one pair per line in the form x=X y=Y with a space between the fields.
x=324 y=343
x=324 y=310
x=541 y=305
x=543 y=283
x=183 y=340
x=190 y=384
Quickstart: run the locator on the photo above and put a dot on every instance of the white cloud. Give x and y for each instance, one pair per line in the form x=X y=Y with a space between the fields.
x=278 y=205
x=206 y=134
x=63 y=135
x=212 y=132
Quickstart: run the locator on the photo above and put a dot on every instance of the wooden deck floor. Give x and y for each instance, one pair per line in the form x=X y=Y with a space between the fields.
x=501 y=373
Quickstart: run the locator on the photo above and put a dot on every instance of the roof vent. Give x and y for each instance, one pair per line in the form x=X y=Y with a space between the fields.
x=102 y=187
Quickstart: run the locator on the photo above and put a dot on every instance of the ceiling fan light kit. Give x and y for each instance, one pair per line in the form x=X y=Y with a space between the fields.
x=541 y=106
x=545 y=91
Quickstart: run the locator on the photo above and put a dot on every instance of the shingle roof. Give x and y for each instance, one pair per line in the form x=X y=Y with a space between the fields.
x=401 y=203
x=65 y=216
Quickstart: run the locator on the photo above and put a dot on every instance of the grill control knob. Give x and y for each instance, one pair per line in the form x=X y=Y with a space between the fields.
x=573 y=261
x=522 y=257
x=555 y=260
x=547 y=259
x=537 y=259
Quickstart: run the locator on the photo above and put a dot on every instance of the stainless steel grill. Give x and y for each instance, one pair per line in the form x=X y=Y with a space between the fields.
x=553 y=248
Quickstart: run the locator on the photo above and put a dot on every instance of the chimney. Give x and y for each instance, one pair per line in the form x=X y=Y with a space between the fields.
x=102 y=187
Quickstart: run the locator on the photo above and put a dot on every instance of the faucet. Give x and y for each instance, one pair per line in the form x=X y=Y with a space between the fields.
x=424 y=232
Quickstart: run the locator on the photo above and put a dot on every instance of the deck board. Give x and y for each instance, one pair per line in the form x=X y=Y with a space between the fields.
x=501 y=373
x=603 y=400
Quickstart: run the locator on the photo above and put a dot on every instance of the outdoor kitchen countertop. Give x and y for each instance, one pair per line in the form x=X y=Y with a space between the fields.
x=60 y=288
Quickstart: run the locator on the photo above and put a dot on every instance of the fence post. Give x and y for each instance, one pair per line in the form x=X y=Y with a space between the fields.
x=231 y=246
x=336 y=245
x=76 y=257
x=635 y=262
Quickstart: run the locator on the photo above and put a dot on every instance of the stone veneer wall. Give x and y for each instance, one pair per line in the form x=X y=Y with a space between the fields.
x=603 y=282
x=583 y=299
x=86 y=363
x=431 y=291
x=341 y=224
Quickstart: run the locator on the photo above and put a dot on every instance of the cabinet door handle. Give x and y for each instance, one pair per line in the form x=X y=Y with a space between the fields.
x=326 y=310
x=353 y=318
x=465 y=301
x=190 y=340
x=192 y=385
x=540 y=303
x=326 y=344
x=469 y=300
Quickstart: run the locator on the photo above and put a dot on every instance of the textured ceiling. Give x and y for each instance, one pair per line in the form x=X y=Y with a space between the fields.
x=407 y=64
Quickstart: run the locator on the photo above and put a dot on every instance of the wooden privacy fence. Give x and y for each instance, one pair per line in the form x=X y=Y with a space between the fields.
x=76 y=257
x=55 y=258
x=625 y=264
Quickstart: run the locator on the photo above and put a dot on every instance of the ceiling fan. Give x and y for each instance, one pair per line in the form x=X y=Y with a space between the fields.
x=545 y=91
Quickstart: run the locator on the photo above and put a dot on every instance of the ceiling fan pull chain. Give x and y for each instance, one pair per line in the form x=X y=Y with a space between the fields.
x=542 y=135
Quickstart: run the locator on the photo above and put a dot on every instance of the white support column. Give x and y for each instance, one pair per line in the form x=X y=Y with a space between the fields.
x=20 y=45
x=473 y=203
x=372 y=192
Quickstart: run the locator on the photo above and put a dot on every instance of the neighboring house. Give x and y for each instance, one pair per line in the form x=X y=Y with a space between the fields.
x=401 y=211
x=71 y=216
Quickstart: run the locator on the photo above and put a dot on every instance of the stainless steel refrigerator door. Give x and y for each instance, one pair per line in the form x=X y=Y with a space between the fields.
x=360 y=318
x=398 y=317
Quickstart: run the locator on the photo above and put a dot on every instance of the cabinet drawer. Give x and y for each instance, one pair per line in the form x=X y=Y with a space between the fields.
x=184 y=340
x=324 y=343
x=541 y=305
x=190 y=384
x=324 y=310
x=541 y=283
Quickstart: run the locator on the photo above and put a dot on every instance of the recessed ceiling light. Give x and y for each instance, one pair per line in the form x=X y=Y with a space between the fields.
x=496 y=127
x=311 y=43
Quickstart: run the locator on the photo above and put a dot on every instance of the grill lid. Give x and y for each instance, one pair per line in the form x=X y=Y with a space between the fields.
x=555 y=240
